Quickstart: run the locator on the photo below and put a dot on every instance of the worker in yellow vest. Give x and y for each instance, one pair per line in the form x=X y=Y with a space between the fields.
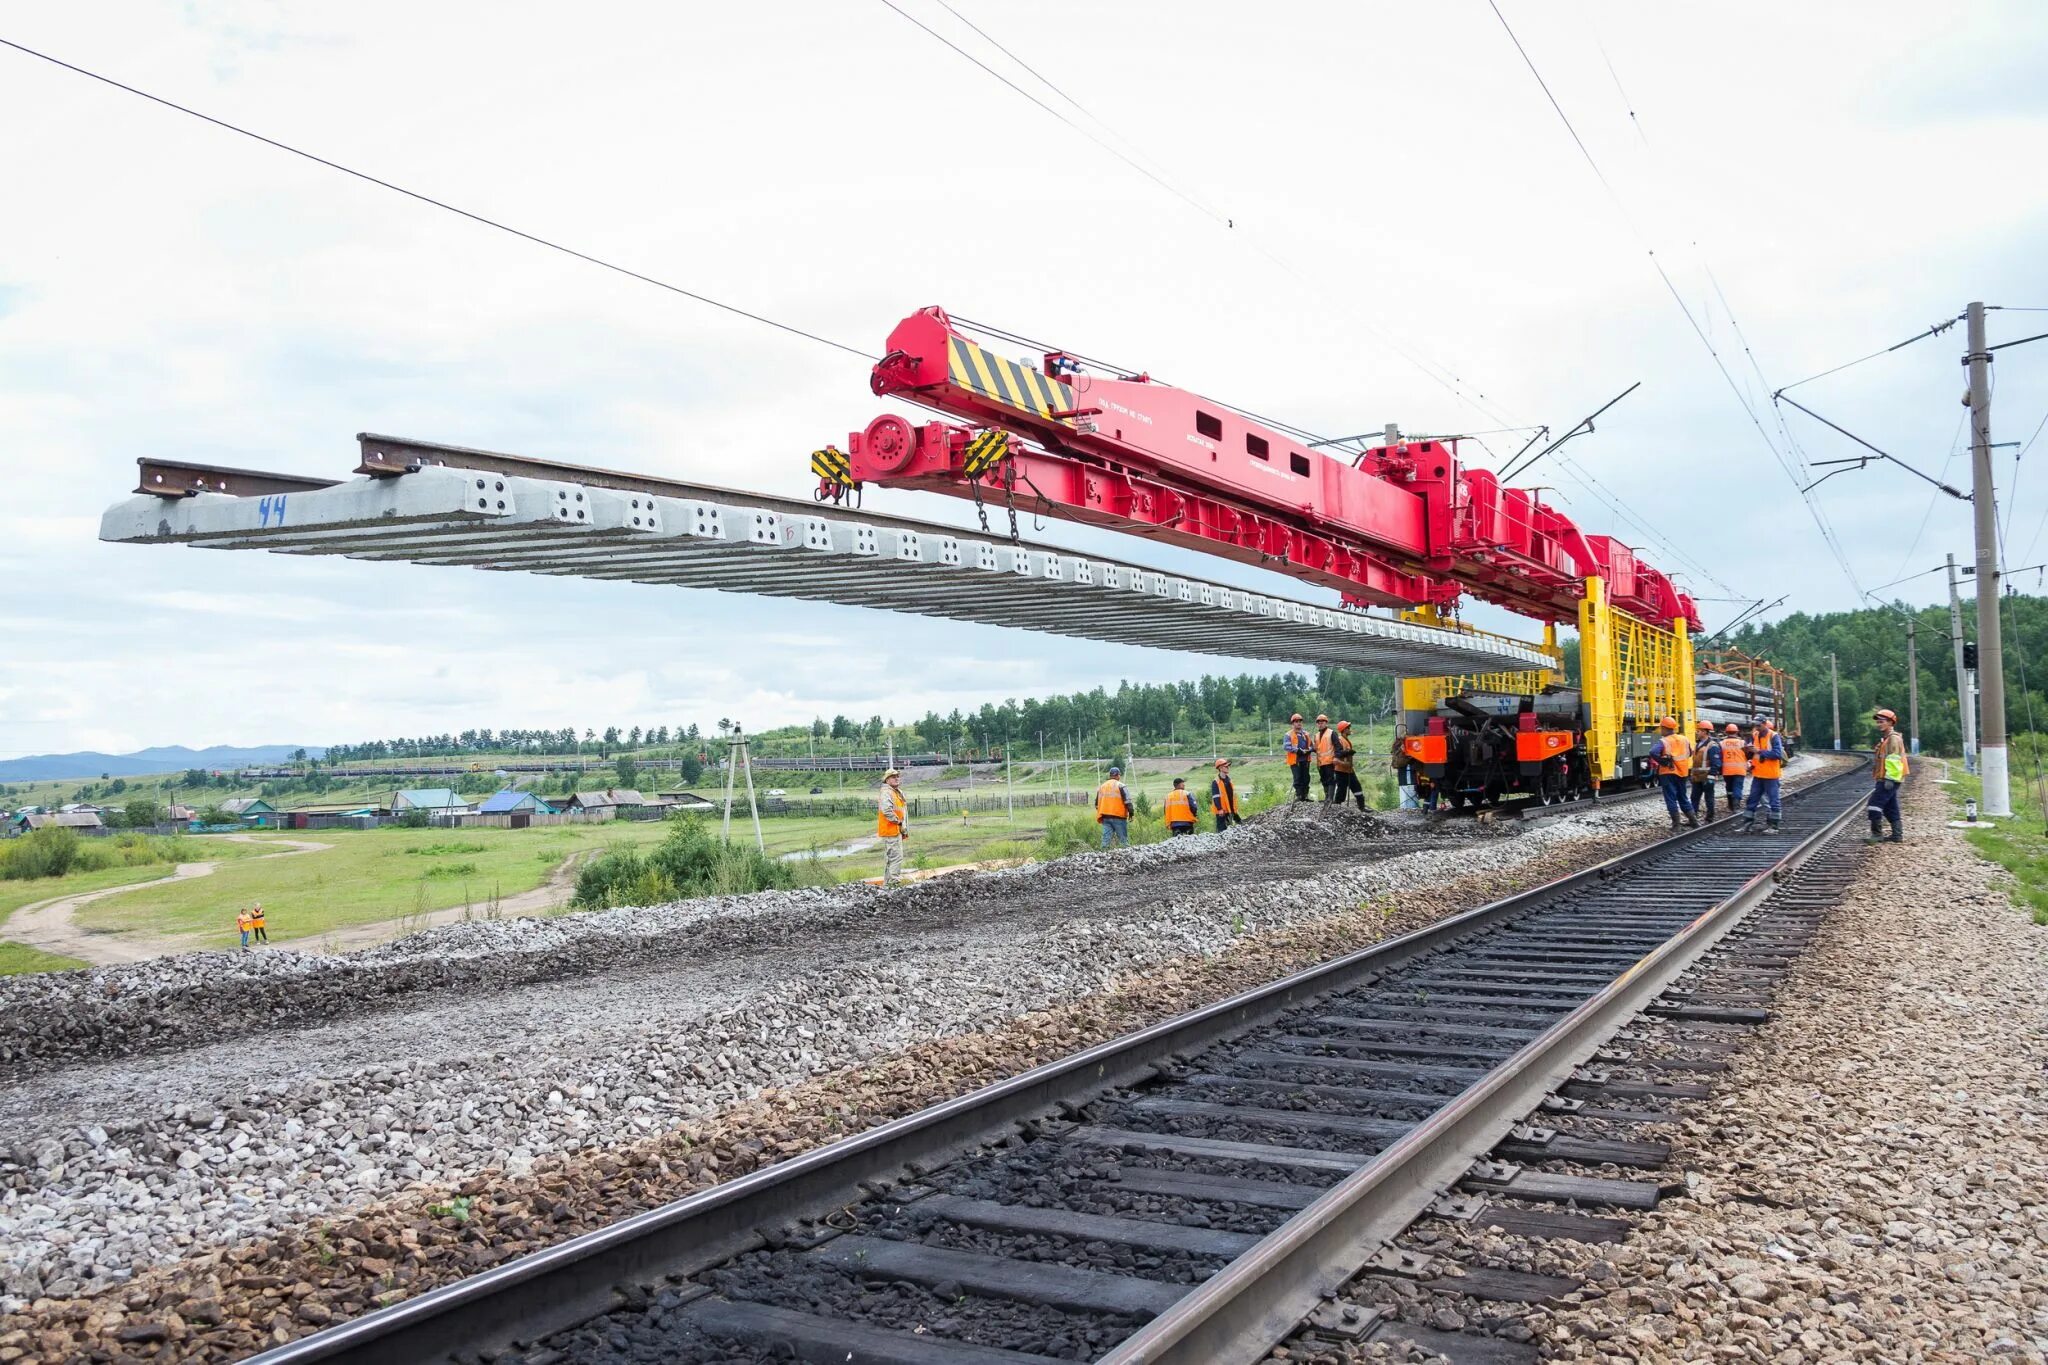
x=1706 y=766
x=1325 y=742
x=244 y=924
x=1673 y=762
x=1300 y=751
x=1223 y=798
x=259 y=923
x=1180 y=809
x=1734 y=765
x=1888 y=772
x=891 y=826
x=1113 y=810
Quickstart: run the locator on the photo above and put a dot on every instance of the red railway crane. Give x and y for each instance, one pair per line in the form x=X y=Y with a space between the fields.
x=1405 y=525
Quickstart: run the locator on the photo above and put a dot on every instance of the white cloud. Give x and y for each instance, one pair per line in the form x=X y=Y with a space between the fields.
x=180 y=292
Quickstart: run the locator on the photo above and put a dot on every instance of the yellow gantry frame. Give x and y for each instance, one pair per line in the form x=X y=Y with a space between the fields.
x=1632 y=674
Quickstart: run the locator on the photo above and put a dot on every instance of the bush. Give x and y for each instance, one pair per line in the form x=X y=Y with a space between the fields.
x=689 y=862
x=413 y=819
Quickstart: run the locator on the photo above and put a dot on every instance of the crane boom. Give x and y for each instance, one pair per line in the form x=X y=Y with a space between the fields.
x=1406 y=526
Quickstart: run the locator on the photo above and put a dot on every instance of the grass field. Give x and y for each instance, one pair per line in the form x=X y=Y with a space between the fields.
x=16 y=959
x=2019 y=845
x=199 y=848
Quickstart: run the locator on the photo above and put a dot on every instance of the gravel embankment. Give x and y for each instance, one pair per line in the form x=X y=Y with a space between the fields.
x=1871 y=1180
x=573 y=1093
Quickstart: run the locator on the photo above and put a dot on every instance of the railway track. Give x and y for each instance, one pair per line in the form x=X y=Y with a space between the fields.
x=1192 y=1192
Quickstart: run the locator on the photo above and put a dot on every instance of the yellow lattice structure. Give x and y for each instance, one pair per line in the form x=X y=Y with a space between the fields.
x=1632 y=674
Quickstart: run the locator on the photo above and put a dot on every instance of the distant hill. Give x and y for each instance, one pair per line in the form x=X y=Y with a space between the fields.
x=174 y=758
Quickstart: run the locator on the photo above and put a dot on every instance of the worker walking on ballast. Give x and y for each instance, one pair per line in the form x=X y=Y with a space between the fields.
x=1113 y=810
x=1766 y=767
x=1889 y=772
x=1179 y=809
x=1344 y=758
x=1673 y=761
x=1301 y=755
x=1326 y=754
x=1734 y=766
x=1223 y=797
x=890 y=823
x=1706 y=766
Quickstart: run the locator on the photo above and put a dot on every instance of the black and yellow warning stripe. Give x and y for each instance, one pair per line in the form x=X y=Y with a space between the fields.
x=831 y=464
x=984 y=451
x=1005 y=381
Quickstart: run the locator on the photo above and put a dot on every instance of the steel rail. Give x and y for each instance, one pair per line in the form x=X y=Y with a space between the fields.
x=1256 y=1301
x=529 y=1298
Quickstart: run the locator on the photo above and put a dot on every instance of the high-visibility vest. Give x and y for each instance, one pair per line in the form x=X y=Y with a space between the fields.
x=1326 y=752
x=1344 y=750
x=1699 y=770
x=244 y=921
x=256 y=920
x=1734 y=762
x=1222 y=797
x=889 y=822
x=1180 y=807
x=1111 y=802
x=1679 y=749
x=1891 y=759
x=1295 y=746
x=1762 y=763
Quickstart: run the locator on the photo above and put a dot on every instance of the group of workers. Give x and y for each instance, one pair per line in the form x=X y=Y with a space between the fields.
x=1330 y=752
x=1688 y=769
x=1113 y=806
x=252 y=924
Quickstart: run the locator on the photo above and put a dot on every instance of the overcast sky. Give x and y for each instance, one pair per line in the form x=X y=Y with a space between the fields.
x=1413 y=237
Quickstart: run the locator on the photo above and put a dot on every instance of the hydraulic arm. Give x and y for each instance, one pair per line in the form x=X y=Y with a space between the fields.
x=1405 y=525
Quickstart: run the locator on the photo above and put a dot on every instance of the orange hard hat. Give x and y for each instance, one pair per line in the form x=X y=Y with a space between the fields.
x=1733 y=729
x=1222 y=762
x=1343 y=725
x=1669 y=722
x=1295 y=718
x=1321 y=718
x=1703 y=725
x=1886 y=713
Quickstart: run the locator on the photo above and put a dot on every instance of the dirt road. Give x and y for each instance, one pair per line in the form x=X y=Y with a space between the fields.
x=50 y=926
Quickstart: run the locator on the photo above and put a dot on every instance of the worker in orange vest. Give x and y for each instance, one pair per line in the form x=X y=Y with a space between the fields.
x=1889 y=772
x=1766 y=766
x=244 y=922
x=259 y=924
x=1706 y=766
x=1344 y=758
x=1734 y=765
x=1326 y=754
x=891 y=826
x=1113 y=810
x=1300 y=751
x=1673 y=762
x=1223 y=798
x=1180 y=809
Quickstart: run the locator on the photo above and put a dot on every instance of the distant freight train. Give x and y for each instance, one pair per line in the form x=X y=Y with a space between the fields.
x=1486 y=748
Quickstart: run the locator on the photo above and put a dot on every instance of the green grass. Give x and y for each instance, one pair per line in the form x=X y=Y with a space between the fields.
x=367 y=877
x=199 y=848
x=16 y=959
x=2018 y=845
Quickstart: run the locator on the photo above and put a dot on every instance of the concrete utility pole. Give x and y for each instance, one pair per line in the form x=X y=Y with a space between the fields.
x=1913 y=686
x=1835 y=683
x=1996 y=801
x=1965 y=704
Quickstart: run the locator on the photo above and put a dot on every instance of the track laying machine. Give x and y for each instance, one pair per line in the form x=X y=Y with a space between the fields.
x=1402 y=525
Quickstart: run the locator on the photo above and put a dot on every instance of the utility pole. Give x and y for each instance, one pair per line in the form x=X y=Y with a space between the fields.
x=1965 y=704
x=1996 y=801
x=1835 y=683
x=1913 y=686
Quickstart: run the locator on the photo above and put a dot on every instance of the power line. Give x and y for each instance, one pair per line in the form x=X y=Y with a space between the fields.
x=1158 y=180
x=1936 y=330
x=365 y=176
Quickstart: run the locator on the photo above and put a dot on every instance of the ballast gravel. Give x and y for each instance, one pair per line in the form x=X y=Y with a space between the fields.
x=455 y=1053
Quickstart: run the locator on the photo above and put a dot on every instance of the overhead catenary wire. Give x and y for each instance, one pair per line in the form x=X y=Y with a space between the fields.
x=442 y=204
x=1936 y=330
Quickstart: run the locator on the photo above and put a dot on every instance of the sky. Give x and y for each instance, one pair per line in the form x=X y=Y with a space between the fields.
x=1357 y=214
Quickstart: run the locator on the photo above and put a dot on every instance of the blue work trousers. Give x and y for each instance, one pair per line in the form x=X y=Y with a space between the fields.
x=1883 y=804
x=1677 y=799
x=1734 y=785
x=1115 y=830
x=1764 y=792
